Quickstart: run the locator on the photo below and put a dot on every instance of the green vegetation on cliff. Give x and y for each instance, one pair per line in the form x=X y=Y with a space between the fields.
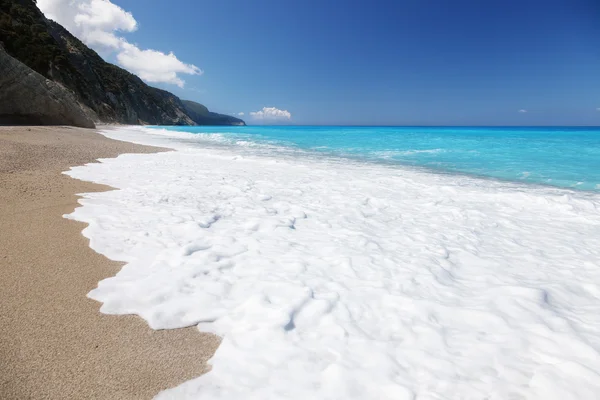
x=24 y=35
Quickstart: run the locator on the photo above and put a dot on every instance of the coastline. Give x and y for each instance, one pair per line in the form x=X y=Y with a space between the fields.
x=53 y=341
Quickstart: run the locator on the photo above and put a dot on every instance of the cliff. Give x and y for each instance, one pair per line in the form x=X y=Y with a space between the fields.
x=202 y=116
x=108 y=93
x=29 y=98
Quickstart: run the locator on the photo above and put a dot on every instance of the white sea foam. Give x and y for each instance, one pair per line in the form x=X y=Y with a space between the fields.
x=341 y=280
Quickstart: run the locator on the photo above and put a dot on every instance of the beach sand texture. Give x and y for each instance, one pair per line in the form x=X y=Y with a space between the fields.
x=54 y=344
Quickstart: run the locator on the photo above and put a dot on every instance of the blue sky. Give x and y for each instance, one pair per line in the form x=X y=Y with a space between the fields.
x=414 y=62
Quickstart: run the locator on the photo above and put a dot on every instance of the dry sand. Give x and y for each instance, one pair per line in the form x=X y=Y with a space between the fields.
x=54 y=343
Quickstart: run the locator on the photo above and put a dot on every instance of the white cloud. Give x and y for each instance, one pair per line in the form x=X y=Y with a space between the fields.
x=241 y=114
x=102 y=40
x=598 y=109
x=93 y=21
x=522 y=111
x=104 y=16
x=271 y=114
x=98 y=22
x=155 y=66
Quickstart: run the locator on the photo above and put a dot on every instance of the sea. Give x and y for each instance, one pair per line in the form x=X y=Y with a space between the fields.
x=559 y=156
x=361 y=262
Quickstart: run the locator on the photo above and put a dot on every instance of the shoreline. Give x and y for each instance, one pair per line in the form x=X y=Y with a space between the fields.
x=54 y=342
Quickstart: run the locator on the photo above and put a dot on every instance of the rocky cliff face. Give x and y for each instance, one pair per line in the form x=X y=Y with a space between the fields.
x=114 y=94
x=26 y=97
x=108 y=93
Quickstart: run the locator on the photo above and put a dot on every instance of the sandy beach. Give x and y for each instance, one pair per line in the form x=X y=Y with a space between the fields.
x=54 y=343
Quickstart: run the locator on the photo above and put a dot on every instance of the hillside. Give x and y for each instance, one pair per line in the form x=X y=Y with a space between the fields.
x=109 y=93
x=202 y=116
x=26 y=97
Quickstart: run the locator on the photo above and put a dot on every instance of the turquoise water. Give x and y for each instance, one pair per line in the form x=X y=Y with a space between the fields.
x=564 y=157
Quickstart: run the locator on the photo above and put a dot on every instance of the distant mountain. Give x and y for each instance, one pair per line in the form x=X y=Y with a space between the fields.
x=202 y=116
x=106 y=92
